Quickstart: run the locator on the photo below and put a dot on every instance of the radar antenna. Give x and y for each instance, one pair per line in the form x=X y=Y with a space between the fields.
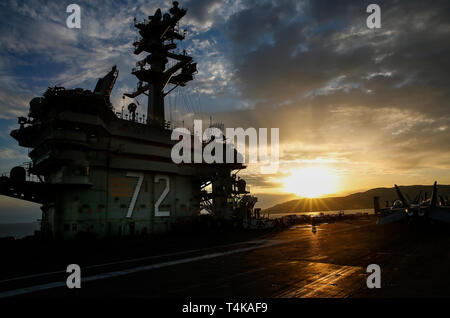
x=157 y=38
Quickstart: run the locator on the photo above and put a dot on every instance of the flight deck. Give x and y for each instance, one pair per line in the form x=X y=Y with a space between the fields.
x=295 y=262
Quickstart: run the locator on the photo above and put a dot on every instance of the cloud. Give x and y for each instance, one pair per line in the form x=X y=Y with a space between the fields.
x=370 y=103
x=6 y=153
x=374 y=100
x=14 y=102
x=335 y=44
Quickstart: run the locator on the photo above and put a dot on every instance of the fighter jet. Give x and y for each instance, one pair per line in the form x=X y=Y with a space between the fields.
x=428 y=209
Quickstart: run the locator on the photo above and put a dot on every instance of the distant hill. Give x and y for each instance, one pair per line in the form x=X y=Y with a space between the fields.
x=361 y=200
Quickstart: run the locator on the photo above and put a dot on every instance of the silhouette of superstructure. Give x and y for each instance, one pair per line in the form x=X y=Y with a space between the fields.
x=100 y=173
x=157 y=38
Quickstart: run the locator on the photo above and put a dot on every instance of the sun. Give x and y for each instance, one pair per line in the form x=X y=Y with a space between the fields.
x=311 y=182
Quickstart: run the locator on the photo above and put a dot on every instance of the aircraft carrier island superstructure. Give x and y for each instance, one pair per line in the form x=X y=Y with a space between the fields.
x=95 y=171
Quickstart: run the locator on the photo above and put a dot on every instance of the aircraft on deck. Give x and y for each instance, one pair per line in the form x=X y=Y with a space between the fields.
x=435 y=208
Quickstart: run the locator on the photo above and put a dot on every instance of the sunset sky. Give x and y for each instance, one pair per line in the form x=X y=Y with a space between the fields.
x=357 y=108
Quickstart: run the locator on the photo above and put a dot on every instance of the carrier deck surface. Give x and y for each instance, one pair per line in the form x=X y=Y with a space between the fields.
x=293 y=262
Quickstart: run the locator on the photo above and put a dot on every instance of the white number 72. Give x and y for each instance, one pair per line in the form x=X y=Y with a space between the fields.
x=140 y=177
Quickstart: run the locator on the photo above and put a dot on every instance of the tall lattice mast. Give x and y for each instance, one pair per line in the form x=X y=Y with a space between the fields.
x=157 y=38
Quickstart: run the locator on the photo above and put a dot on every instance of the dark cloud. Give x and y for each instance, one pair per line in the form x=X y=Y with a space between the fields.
x=319 y=74
x=258 y=22
x=200 y=10
x=282 y=50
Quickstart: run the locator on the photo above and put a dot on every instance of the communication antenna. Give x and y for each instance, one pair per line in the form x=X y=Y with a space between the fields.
x=157 y=39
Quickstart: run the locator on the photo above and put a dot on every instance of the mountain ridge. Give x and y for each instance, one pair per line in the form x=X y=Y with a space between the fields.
x=359 y=200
